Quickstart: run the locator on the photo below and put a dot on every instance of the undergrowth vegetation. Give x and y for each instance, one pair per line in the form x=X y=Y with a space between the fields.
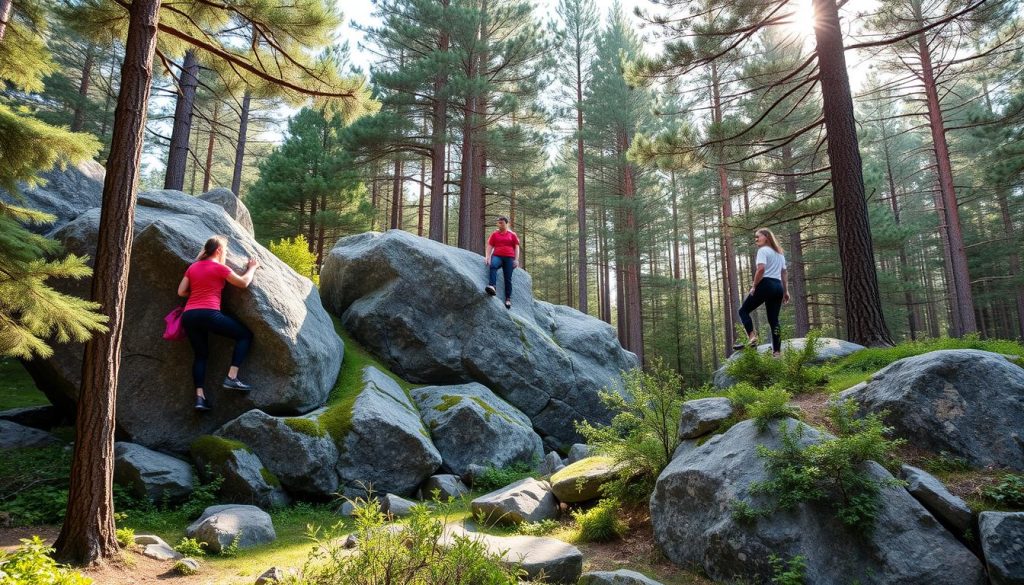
x=31 y=564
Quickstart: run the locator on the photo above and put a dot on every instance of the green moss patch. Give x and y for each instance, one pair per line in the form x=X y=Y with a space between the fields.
x=306 y=426
x=269 y=477
x=582 y=467
x=448 y=401
x=215 y=450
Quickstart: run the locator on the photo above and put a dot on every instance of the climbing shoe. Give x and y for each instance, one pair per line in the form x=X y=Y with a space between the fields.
x=202 y=404
x=236 y=384
x=490 y=290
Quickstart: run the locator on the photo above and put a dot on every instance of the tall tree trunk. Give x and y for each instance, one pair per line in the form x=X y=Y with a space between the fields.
x=87 y=535
x=908 y=293
x=423 y=193
x=711 y=298
x=606 y=287
x=320 y=236
x=961 y=278
x=466 y=187
x=581 y=194
x=692 y=245
x=1011 y=239
x=866 y=322
x=178 y=155
x=438 y=165
x=732 y=294
x=109 y=93
x=243 y=129
x=396 y=195
x=78 y=120
x=952 y=314
x=795 y=264
x=5 y=16
x=208 y=170
x=631 y=259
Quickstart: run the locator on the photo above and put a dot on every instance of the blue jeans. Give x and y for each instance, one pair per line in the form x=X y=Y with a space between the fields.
x=768 y=293
x=199 y=323
x=505 y=263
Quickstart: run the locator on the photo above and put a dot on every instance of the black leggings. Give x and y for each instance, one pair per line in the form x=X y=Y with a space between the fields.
x=768 y=292
x=199 y=323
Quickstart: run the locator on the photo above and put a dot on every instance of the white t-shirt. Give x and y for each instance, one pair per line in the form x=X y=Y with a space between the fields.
x=774 y=263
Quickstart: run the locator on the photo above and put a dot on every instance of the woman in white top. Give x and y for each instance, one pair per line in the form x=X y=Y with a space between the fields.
x=769 y=289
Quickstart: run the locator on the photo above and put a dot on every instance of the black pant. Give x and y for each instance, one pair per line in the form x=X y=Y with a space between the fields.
x=505 y=264
x=768 y=292
x=199 y=323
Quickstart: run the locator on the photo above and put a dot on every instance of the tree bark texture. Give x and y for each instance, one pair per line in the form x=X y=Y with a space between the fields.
x=863 y=303
x=795 y=263
x=633 y=309
x=87 y=535
x=581 y=193
x=243 y=129
x=210 y=141
x=78 y=120
x=396 y=196
x=177 y=157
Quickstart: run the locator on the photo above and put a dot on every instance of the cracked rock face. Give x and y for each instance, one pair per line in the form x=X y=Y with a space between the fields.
x=420 y=307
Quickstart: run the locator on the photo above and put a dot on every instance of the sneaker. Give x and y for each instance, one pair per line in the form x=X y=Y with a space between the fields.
x=203 y=404
x=236 y=384
x=490 y=290
x=508 y=303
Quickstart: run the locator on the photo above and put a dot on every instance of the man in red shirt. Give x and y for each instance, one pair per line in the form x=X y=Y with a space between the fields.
x=502 y=252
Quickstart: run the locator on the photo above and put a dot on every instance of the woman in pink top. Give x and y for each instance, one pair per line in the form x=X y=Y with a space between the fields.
x=503 y=253
x=203 y=283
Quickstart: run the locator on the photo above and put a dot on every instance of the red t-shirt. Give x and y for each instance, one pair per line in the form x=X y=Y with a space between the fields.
x=504 y=244
x=206 y=280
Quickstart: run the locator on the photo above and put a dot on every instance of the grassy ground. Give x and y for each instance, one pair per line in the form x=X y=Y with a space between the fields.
x=16 y=386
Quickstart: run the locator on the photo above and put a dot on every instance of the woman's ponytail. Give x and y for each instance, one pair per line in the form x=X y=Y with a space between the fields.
x=212 y=245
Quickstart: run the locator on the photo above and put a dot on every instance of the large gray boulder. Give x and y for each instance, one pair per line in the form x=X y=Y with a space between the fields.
x=245 y=479
x=947 y=508
x=527 y=500
x=64 y=193
x=383 y=443
x=1002 y=540
x=445 y=486
x=295 y=356
x=419 y=306
x=220 y=526
x=469 y=425
x=154 y=476
x=537 y=556
x=15 y=436
x=297 y=451
x=694 y=526
x=967 y=402
x=234 y=207
x=827 y=349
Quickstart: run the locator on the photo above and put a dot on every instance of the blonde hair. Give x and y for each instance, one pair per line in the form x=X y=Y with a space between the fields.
x=212 y=245
x=772 y=242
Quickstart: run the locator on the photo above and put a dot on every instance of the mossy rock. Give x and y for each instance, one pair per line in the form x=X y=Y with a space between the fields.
x=582 y=481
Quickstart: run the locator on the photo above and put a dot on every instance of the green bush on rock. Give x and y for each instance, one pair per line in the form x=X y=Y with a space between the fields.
x=793 y=371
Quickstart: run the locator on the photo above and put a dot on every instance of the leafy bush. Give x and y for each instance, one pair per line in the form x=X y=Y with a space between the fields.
x=542 y=528
x=1008 y=493
x=31 y=564
x=295 y=253
x=418 y=554
x=833 y=470
x=788 y=572
x=190 y=547
x=763 y=406
x=184 y=569
x=946 y=462
x=231 y=550
x=793 y=370
x=643 y=434
x=600 y=523
x=493 y=478
x=125 y=537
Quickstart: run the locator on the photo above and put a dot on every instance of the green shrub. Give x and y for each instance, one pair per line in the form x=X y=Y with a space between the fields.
x=788 y=572
x=600 y=523
x=31 y=564
x=1008 y=493
x=34 y=485
x=755 y=368
x=184 y=569
x=643 y=433
x=542 y=528
x=190 y=547
x=793 y=370
x=832 y=471
x=295 y=253
x=125 y=537
x=946 y=462
x=493 y=478
x=763 y=406
x=231 y=550
x=415 y=555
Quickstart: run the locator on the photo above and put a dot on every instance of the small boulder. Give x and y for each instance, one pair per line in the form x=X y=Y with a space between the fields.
x=234 y=207
x=964 y=401
x=576 y=452
x=246 y=480
x=297 y=451
x=550 y=464
x=270 y=576
x=694 y=525
x=384 y=445
x=1002 y=540
x=447 y=487
x=15 y=436
x=620 y=577
x=161 y=552
x=395 y=506
x=151 y=475
x=700 y=417
x=947 y=508
x=470 y=424
x=187 y=566
x=527 y=500
x=556 y=561
x=220 y=526
x=582 y=481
